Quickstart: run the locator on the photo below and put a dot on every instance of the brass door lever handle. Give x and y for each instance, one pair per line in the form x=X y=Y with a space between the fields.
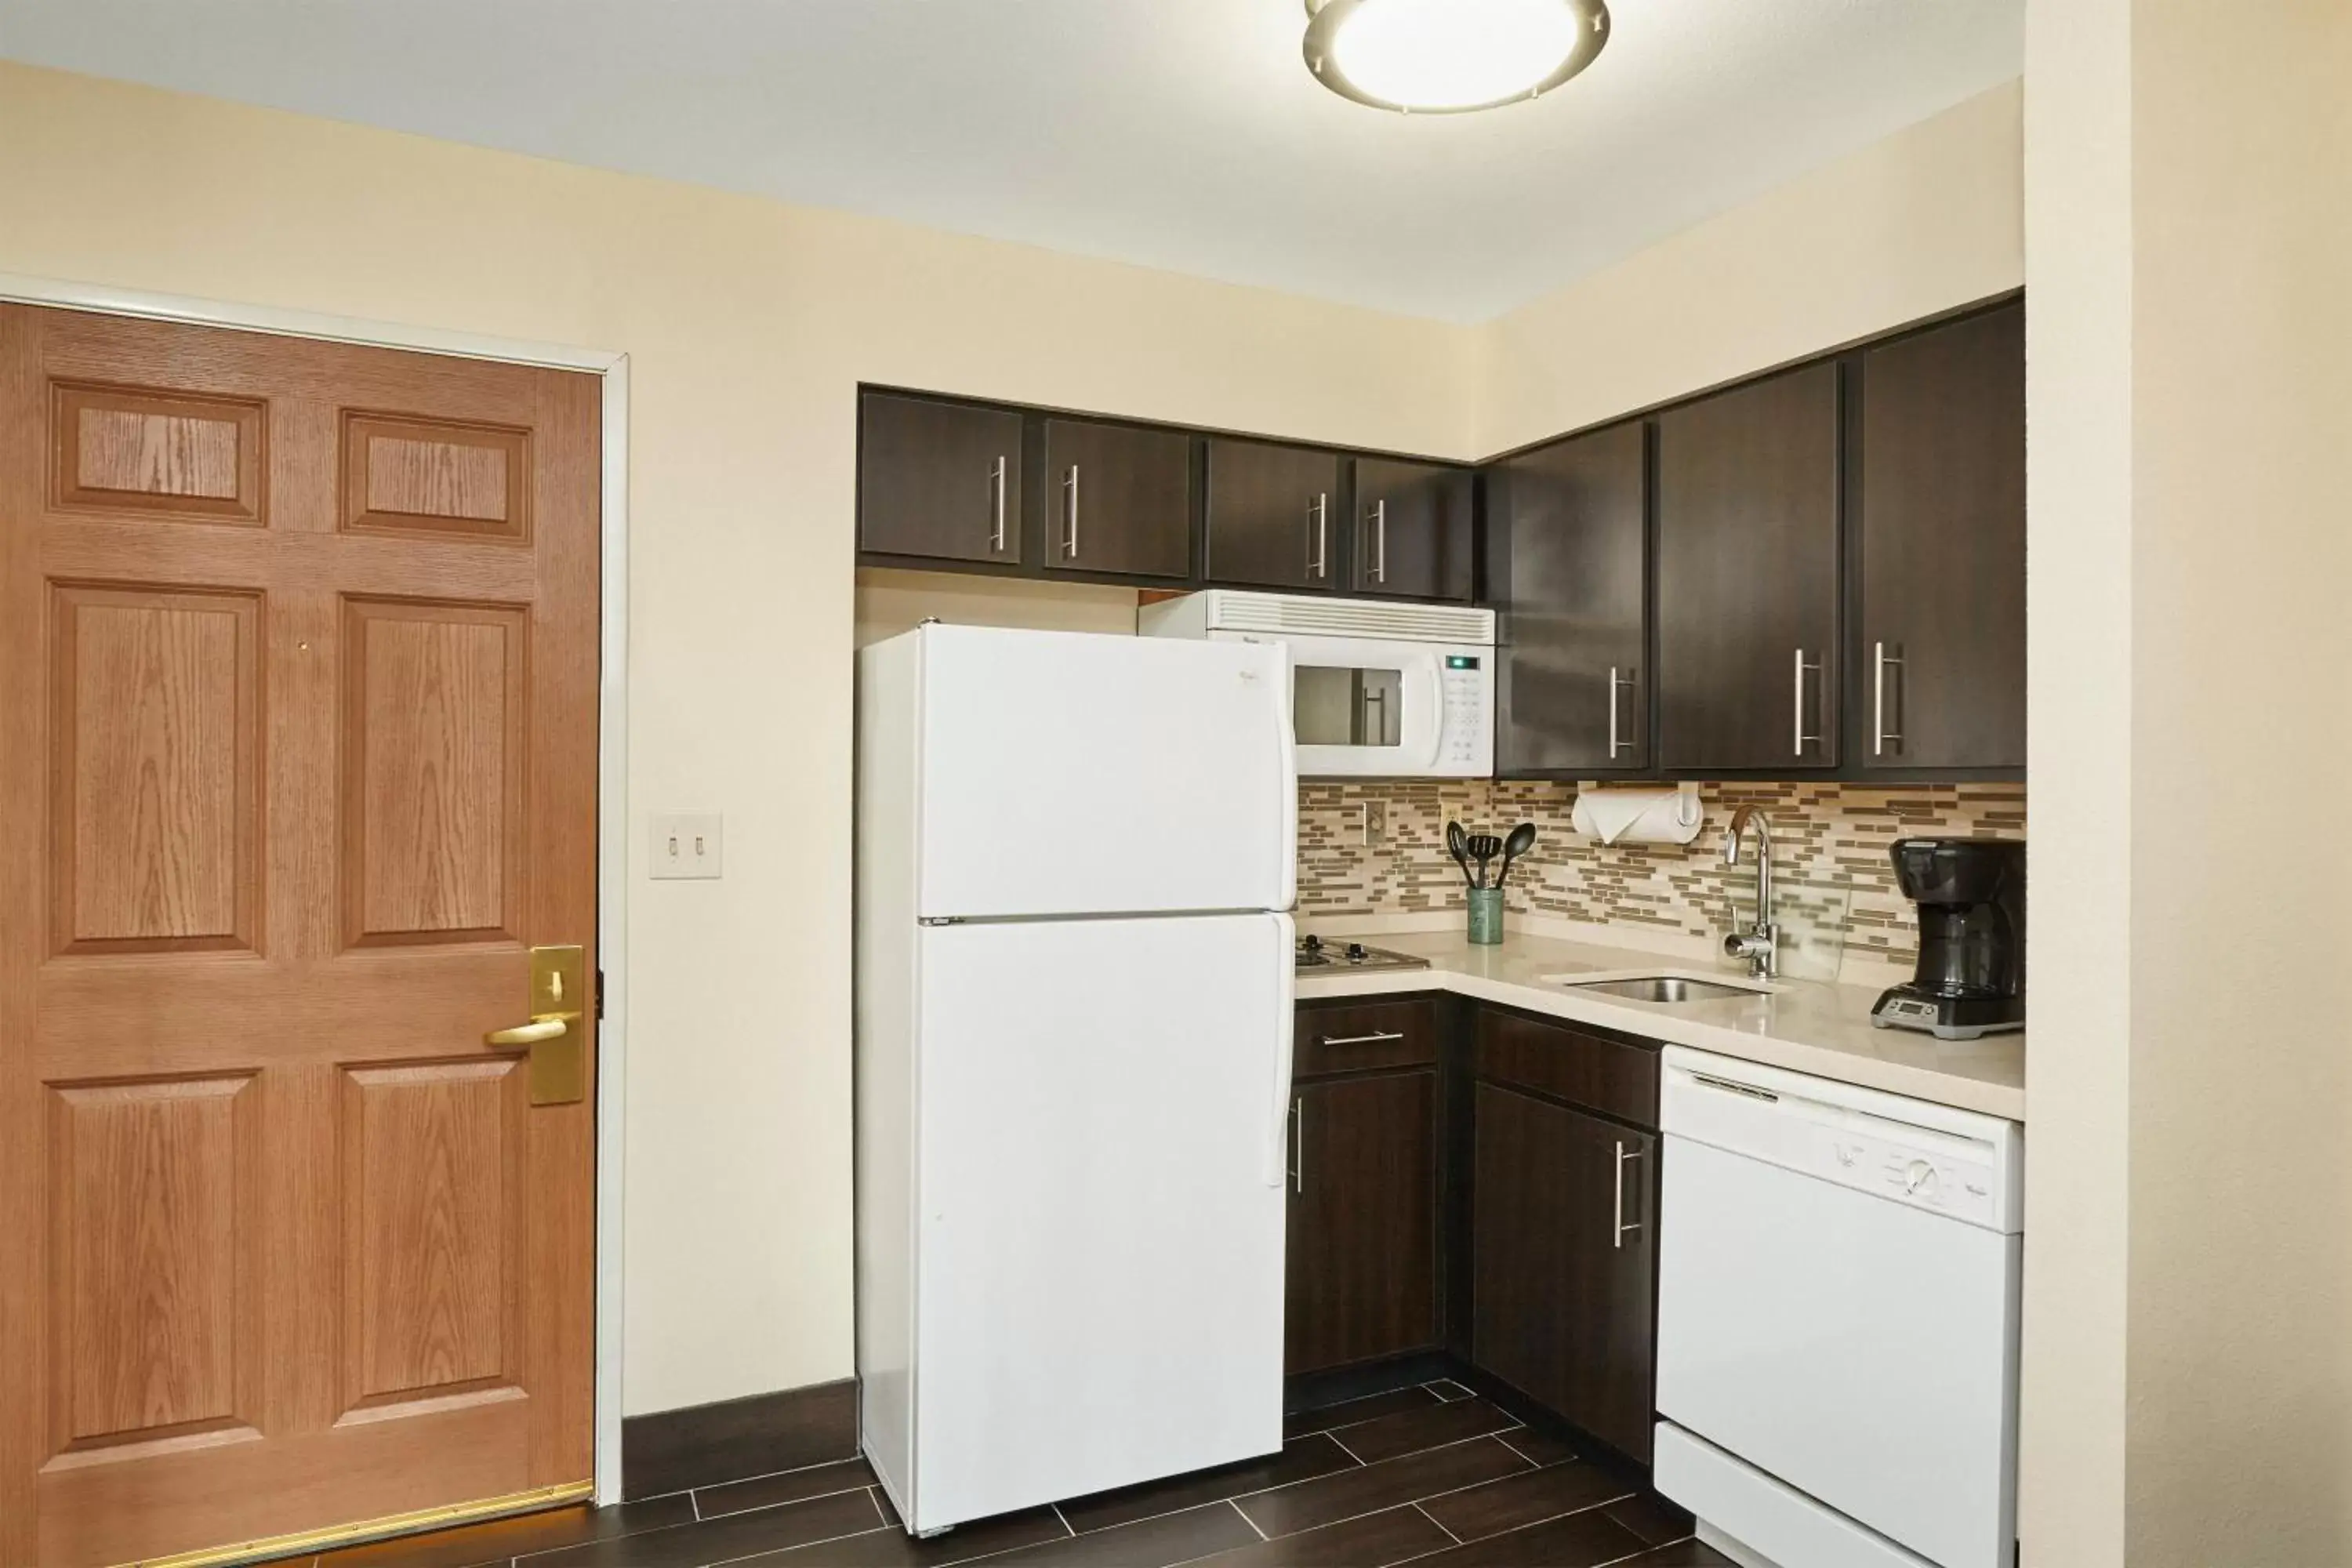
x=531 y=1034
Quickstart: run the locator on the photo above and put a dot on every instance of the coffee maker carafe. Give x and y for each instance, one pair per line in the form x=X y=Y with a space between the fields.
x=1970 y=894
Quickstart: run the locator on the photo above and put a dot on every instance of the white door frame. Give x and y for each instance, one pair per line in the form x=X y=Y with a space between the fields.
x=612 y=706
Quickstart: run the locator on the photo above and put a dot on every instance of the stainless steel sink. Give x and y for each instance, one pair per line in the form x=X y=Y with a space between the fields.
x=1665 y=988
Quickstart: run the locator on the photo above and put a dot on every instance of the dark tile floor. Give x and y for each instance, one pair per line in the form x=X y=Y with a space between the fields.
x=1429 y=1475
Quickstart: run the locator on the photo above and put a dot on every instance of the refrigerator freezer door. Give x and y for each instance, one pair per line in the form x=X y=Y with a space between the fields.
x=1099 y=1263
x=1070 y=773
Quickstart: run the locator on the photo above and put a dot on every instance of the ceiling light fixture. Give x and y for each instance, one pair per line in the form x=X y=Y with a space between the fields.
x=1448 y=57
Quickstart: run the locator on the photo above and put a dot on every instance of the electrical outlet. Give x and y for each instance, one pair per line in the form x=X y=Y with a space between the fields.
x=687 y=845
x=1375 y=826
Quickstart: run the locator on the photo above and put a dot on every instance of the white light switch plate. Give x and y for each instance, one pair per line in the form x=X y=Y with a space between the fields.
x=688 y=845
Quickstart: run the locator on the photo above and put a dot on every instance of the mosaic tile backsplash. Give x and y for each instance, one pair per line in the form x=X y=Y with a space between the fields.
x=1829 y=850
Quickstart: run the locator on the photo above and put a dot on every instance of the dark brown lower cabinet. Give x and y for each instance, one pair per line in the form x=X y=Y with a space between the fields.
x=1563 y=1274
x=1363 y=1219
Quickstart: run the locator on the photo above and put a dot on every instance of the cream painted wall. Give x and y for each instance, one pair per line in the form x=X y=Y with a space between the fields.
x=2239 y=1392
x=1925 y=220
x=2188 y=1317
x=748 y=324
x=891 y=602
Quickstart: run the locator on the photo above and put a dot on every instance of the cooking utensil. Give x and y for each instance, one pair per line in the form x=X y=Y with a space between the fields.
x=1484 y=847
x=1522 y=839
x=1457 y=844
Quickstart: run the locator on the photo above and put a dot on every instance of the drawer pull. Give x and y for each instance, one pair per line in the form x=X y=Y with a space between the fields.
x=1376 y=1037
x=1618 y=1222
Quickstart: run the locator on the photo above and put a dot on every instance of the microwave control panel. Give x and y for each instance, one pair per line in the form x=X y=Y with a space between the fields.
x=1466 y=739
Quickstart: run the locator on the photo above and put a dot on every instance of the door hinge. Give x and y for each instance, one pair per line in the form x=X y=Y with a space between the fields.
x=600 y=995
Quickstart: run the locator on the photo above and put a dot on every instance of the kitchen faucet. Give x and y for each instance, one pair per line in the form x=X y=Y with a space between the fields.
x=1759 y=944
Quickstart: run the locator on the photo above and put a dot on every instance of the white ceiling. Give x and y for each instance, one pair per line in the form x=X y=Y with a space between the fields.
x=1178 y=133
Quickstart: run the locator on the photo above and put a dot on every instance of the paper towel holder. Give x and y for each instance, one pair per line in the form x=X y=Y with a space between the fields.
x=1688 y=812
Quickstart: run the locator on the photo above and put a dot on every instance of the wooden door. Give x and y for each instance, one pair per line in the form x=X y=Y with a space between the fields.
x=1363 y=1220
x=1120 y=498
x=1413 y=530
x=1563 y=1273
x=938 y=481
x=1943 y=547
x=1271 y=518
x=1748 y=577
x=1574 y=690
x=298 y=731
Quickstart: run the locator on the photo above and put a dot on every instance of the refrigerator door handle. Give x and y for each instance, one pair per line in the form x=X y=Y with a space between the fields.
x=1277 y=1148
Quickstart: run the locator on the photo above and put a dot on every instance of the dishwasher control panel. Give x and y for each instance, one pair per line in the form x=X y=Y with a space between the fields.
x=1957 y=1163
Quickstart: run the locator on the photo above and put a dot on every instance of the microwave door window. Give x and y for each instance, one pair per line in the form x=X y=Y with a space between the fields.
x=1333 y=706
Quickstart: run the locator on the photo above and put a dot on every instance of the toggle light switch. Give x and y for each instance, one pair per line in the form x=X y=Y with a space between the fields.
x=687 y=845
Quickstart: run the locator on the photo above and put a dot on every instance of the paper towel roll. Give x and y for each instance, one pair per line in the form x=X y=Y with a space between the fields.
x=1640 y=816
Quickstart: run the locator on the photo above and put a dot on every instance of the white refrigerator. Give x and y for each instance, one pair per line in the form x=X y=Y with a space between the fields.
x=1074 y=1008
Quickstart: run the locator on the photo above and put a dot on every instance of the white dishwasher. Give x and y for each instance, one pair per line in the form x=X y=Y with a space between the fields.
x=1837 y=1321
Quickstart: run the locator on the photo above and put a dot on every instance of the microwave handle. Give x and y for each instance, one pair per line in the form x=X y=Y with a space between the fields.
x=1436 y=714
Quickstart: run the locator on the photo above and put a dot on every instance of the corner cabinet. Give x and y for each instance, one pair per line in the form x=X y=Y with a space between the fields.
x=938 y=480
x=1748 y=661
x=1568 y=557
x=1942 y=549
x=1563 y=1229
x=1363 y=1172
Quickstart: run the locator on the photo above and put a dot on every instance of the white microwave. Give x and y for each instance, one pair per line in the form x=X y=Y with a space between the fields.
x=1376 y=689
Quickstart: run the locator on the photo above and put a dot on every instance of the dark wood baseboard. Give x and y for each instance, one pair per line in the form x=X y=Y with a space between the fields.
x=703 y=1445
x=1335 y=1386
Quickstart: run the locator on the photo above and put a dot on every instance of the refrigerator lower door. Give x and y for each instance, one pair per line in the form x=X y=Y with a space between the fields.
x=1069 y=774
x=1098 y=1272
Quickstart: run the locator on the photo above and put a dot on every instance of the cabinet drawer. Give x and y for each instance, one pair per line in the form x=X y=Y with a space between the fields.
x=1365 y=1035
x=1569 y=1063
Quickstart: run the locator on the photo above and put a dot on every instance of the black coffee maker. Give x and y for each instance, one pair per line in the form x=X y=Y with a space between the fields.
x=1971 y=898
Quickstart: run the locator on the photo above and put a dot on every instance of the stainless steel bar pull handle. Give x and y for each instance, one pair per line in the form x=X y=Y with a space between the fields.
x=1298 y=1144
x=1376 y=1037
x=1619 y=1226
x=996 y=482
x=1615 y=683
x=1379 y=541
x=1318 y=563
x=1879 y=733
x=1070 y=513
x=1800 y=738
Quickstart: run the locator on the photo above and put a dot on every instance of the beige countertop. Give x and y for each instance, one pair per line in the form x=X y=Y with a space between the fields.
x=1808 y=1026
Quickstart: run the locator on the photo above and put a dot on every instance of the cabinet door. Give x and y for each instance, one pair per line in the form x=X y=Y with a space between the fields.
x=1270 y=515
x=1573 y=691
x=938 y=479
x=1748 y=576
x=1120 y=499
x=1363 y=1220
x=1412 y=529
x=1943 y=547
x=1562 y=1275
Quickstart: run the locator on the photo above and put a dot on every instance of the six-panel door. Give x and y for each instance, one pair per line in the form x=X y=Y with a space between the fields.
x=298 y=673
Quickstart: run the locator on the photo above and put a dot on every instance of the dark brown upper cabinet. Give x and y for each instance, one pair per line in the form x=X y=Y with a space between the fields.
x=1942 y=549
x=1118 y=498
x=940 y=481
x=1568 y=567
x=1563 y=1262
x=1362 y=1256
x=1274 y=518
x=1414 y=525
x=1748 y=661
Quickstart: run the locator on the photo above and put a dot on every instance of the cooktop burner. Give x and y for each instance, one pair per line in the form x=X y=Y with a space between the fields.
x=1315 y=954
